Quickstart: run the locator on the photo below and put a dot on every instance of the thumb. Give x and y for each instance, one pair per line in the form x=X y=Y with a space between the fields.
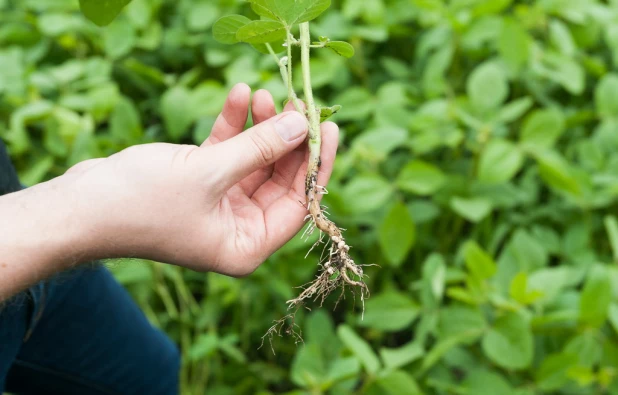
x=260 y=146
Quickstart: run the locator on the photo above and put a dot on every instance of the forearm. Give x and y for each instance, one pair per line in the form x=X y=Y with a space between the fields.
x=42 y=232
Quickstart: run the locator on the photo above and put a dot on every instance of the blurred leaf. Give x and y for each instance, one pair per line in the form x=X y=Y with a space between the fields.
x=499 y=162
x=366 y=193
x=553 y=373
x=483 y=382
x=596 y=297
x=360 y=348
x=102 y=12
x=606 y=96
x=514 y=43
x=543 y=128
x=421 y=178
x=395 y=358
x=509 y=342
x=433 y=281
x=474 y=210
x=289 y=12
x=119 y=38
x=487 y=87
x=397 y=234
x=395 y=383
x=389 y=311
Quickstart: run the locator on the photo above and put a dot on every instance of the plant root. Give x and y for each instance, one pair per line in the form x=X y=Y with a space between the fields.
x=338 y=269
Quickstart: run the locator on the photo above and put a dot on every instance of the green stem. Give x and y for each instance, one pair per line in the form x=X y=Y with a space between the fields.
x=315 y=136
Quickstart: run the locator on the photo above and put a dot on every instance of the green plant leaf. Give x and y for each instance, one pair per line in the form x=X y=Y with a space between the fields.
x=421 y=178
x=395 y=358
x=484 y=382
x=290 y=12
x=226 y=28
x=395 y=383
x=514 y=43
x=509 y=342
x=261 y=32
x=487 y=87
x=102 y=12
x=327 y=112
x=500 y=161
x=557 y=172
x=397 y=234
x=360 y=348
x=341 y=48
x=596 y=297
x=606 y=96
x=543 y=128
x=479 y=263
x=391 y=311
x=472 y=209
x=366 y=193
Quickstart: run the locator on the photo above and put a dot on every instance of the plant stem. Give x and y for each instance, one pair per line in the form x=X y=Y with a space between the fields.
x=315 y=136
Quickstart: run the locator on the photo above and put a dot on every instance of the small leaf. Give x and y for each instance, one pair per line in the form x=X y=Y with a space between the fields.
x=557 y=173
x=390 y=311
x=102 y=12
x=543 y=128
x=487 y=87
x=509 y=343
x=474 y=209
x=366 y=193
x=360 y=348
x=479 y=263
x=596 y=297
x=261 y=32
x=514 y=44
x=226 y=28
x=290 y=12
x=341 y=48
x=395 y=358
x=397 y=234
x=606 y=96
x=421 y=178
x=499 y=162
x=327 y=112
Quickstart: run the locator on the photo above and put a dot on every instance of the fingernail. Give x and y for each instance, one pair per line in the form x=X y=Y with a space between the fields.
x=291 y=126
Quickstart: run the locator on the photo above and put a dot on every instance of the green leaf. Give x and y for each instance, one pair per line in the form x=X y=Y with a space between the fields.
x=484 y=382
x=308 y=367
x=341 y=48
x=473 y=209
x=366 y=193
x=397 y=234
x=327 y=112
x=125 y=122
x=543 y=128
x=421 y=178
x=479 y=263
x=557 y=172
x=290 y=12
x=360 y=348
x=457 y=319
x=395 y=383
x=487 y=87
x=500 y=161
x=226 y=28
x=514 y=43
x=389 y=311
x=433 y=281
x=174 y=105
x=119 y=38
x=596 y=297
x=606 y=96
x=509 y=342
x=102 y=12
x=395 y=358
x=611 y=227
x=261 y=32
x=553 y=373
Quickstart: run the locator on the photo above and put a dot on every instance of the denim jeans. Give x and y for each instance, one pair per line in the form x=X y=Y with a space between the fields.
x=80 y=333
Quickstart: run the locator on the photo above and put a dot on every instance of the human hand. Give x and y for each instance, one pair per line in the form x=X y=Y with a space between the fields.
x=225 y=206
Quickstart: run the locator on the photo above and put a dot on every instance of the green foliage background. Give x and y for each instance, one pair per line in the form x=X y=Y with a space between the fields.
x=479 y=169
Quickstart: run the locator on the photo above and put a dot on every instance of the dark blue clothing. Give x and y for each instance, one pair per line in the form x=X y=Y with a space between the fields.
x=80 y=333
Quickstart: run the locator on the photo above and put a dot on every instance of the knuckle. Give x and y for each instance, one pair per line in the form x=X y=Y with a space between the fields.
x=264 y=151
